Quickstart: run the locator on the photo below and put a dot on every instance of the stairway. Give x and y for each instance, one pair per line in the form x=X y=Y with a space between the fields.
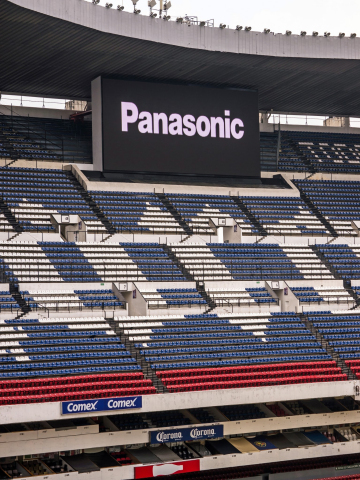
x=303 y=157
x=324 y=260
x=5 y=210
x=189 y=277
x=148 y=372
x=201 y=289
x=329 y=349
x=351 y=292
x=14 y=290
x=169 y=206
x=94 y=207
x=319 y=215
x=250 y=216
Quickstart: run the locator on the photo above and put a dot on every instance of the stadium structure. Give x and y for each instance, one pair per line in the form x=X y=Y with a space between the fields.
x=180 y=278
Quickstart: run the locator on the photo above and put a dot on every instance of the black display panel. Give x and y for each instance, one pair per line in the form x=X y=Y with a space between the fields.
x=171 y=129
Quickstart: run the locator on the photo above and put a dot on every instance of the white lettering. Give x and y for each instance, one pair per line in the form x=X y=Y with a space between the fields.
x=237 y=123
x=217 y=121
x=127 y=107
x=175 y=127
x=190 y=129
x=164 y=120
x=176 y=124
x=199 y=123
x=145 y=126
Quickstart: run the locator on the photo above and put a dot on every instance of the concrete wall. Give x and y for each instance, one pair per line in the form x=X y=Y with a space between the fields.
x=178 y=401
x=51 y=440
x=210 y=39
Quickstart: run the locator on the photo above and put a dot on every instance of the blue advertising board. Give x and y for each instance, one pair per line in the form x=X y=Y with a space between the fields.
x=100 y=405
x=187 y=434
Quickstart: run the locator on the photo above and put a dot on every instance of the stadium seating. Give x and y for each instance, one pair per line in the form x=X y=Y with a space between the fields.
x=136 y=212
x=72 y=300
x=33 y=195
x=237 y=295
x=208 y=351
x=76 y=387
x=324 y=296
x=326 y=152
x=290 y=158
x=342 y=258
x=337 y=201
x=196 y=210
x=285 y=216
x=186 y=295
x=48 y=139
x=40 y=347
x=241 y=412
x=84 y=262
x=7 y=301
x=341 y=331
x=250 y=261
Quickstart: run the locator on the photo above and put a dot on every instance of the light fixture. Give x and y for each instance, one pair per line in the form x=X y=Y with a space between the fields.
x=315 y=34
x=134 y=2
x=202 y=23
x=288 y=32
x=167 y=6
x=247 y=29
x=108 y=5
x=326 y=34
x=166 y=17
x=137 y=11
x=95 y=2
x=151 y=3
x=341 y=34
x=222 y=26
x=239 y=27
x=120 y=8
x=266 y=30
x=153 y=15
x=352 y=35
x=303 y=33
x=179 y=19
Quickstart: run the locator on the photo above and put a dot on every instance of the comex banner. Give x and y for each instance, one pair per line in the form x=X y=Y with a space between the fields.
x=174 y=129
x=101 y=405
x=187 y=434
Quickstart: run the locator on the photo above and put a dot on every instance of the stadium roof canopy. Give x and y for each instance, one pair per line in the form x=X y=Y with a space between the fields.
x=54 y=48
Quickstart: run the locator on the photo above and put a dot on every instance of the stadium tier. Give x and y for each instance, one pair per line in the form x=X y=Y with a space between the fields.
x=179 y=268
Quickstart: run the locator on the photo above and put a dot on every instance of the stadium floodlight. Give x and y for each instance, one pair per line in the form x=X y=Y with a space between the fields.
x=108 y=5
x=247 y=29
x=202 y=23
x=352 y=35
x=153 y=15
x=326 y=34
x=95 y=2
x=137 y=11
x=303 y=33
x=222 y=26
x=179 y=19
x=239 y=27
x=151 y=3
x=266 y=30
x=315 y=34
x=166 y=17
x=341 y=34
x=288 y=32
x=120 y=8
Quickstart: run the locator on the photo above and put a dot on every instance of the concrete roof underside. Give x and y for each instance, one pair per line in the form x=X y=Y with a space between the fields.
x=56 y=48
